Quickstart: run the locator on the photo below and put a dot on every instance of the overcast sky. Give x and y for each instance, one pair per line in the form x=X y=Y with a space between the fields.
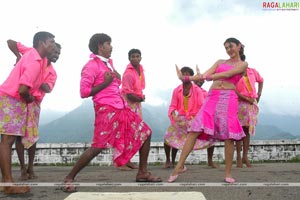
x=168 y=32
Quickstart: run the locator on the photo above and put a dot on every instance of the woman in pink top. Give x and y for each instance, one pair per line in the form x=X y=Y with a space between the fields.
x=217 y=117
x=186 y=101
x=116 y=126
x=133 y=84
x=248 y=111
x=28 y=141
x=16 y=94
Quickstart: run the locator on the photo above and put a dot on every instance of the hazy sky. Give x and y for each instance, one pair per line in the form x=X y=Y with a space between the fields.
x=168 y=32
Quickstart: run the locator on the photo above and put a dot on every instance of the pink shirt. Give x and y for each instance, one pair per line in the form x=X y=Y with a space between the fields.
x=50 y=75
x=254 y=77
x=22 y=48
x=132 y=83
x=92 y=75
x=28 y=71
x=205 y=93
x=194 y=104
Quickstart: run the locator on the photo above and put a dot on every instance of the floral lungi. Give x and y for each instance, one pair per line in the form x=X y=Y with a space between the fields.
x=248 y=114
x=121 y=129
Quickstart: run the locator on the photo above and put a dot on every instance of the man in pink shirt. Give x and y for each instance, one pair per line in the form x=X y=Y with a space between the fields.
x=116 y=125
x=248 y=111
x=133 y=84
x=186 y=102
x=32 y=135
x=17 y=91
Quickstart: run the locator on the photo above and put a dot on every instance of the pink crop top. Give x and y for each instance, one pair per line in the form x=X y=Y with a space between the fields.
x=225 y=67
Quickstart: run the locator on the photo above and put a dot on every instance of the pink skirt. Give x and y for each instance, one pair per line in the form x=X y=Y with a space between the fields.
x=120 y=129
x=248 y=115
x=13 y=114
x=218 y=117
x=177 y=133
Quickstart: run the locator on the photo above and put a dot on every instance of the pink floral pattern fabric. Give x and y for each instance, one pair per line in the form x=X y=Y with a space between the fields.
x=248 y=114
x=121 y=129
x=135 y=106
x=176 y=135
x=13 y=114
x=32 y=121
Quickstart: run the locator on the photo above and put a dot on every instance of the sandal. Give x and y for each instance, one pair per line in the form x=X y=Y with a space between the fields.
x=229 y=180
x=68 y=186
x=148 y=177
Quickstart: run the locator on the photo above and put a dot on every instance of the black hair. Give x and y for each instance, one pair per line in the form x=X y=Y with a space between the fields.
x=237 y=42
x=132 y=51
x=96 y=39
x=187 y=69
x=58 y=45
x=41 y=36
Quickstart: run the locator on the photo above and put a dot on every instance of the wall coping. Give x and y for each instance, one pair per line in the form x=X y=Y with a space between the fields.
x=159 y=144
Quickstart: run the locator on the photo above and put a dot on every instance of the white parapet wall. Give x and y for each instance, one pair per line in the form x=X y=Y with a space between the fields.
x=68 y=153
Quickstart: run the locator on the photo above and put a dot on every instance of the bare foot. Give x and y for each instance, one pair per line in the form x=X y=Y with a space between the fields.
x=16 y=189
x=132 y=165
x=239 y=163
x=212 y=165
x=167 y=165
x=23 y=176
x=247 y=163
x=124 y=168
x=32 y=176
x=147 y=177
x=69 y=186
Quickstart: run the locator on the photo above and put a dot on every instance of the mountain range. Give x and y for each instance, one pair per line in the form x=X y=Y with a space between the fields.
x=77 y=125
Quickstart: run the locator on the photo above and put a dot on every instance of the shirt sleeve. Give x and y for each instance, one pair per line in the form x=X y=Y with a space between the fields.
x=127 y=83
x=50 y=79
x=173 y=105
x=258 y=77
x=22 y=48
x=31 y=72
x=87 y=80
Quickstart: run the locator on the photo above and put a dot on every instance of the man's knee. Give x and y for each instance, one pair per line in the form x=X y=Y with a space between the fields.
x=8 y=139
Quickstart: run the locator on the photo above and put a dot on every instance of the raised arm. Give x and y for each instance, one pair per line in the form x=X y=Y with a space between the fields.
x=212 y=69
x=198 y=76
x=12 y=45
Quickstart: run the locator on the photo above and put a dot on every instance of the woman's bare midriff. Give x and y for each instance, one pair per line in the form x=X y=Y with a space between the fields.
x=222 y=85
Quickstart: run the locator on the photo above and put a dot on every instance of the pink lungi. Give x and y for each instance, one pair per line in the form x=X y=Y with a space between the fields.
x=13 y=115
x=120 y=129
x=176 y=135
x=248 y=114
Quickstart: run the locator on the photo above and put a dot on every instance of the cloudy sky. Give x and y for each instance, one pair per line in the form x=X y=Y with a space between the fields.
x=168 y=32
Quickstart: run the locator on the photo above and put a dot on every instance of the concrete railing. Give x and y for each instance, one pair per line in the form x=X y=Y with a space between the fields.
x=260 y=150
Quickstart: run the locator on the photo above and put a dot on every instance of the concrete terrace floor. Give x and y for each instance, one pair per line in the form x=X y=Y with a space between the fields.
x=264 y=181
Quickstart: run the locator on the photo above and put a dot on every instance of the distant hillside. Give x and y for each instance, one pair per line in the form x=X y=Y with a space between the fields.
x=289 y=123
x=267 y=132
x=48 y=116
x=77 y=125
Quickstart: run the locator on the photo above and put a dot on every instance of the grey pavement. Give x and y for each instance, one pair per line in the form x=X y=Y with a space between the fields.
x=263 y=181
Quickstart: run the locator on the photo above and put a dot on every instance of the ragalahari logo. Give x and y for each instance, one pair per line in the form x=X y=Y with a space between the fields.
x=280 y=6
